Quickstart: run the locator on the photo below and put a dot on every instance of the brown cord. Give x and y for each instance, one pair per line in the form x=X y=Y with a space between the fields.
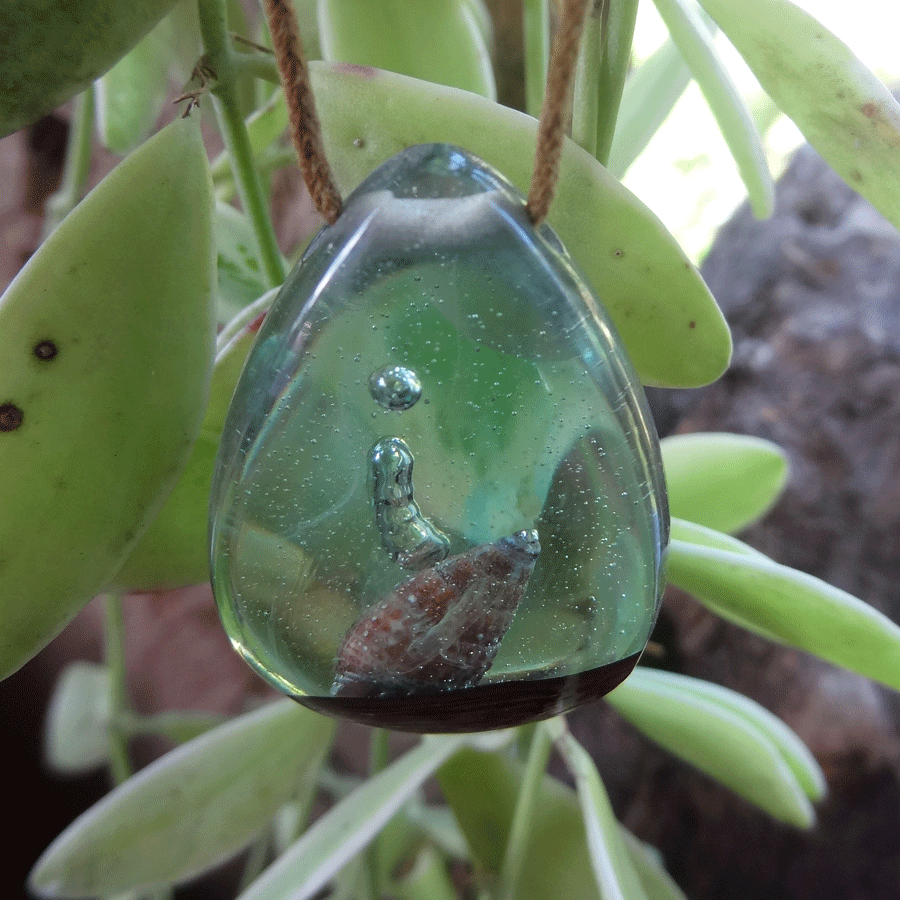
x=555 y=111
x=306 y=132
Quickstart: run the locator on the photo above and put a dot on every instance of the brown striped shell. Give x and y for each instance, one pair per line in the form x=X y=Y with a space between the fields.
x=440 y=629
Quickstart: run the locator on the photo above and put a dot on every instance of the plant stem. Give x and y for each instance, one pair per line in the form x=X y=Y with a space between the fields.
x=119 y=705
x=259 y=65
x=78 y=162
x=378 y=760
x=221 y=57
x=602 y=70
x=536 y=37
x=519 y=831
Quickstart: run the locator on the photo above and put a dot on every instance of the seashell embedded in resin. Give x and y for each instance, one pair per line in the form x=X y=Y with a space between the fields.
x=440 y=629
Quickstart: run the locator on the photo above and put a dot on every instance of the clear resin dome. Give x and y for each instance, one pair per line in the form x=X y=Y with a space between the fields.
x=439 y=503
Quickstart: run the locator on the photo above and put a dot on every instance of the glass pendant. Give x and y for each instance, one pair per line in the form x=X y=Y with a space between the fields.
x=439 y=503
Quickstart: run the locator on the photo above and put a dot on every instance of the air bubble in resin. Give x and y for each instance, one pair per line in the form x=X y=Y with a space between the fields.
x=395 y=387
x=455 y=520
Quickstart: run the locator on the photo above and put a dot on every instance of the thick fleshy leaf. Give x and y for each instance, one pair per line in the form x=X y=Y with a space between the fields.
x=78 y=716
x=106 y=339
x=52 y=49
x=174 y=551
x=616 y=877
x=397 y=37
x=695 y=42
x=841 y=107
x=692 y=533
x=649 y=96
x=332 y=842
x=647 y=862
x=190 y=809
x=800 y=761
x=130 y=96
x=674 y=332
x=790 y=606
x=720 y=741
x=482 y=788
x=723 y=481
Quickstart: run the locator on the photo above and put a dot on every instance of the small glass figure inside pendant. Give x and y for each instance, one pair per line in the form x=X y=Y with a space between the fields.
x=439 y=503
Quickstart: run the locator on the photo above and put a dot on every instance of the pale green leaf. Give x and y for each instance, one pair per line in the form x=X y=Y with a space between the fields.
x=616 y=877
x=692 y=533
x=190 y=809
x=723 y=481
x=723 y=743
x=78 y=717
x=130 y=96
x=441 y=41
x=304 y=869
x=695 y=42
x=795 y=753
x=841 y=107
x=649 y=96
x=428 y=879
x=668 y=321
x=790 y=606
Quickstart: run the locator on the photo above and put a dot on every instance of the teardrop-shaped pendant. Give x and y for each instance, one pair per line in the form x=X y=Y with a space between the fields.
x=438 y=503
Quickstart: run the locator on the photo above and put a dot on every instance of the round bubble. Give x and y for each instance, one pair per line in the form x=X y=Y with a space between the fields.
x=395 y=387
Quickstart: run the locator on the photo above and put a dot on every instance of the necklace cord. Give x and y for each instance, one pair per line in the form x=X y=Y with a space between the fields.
x=306 y=132
x=553 y=124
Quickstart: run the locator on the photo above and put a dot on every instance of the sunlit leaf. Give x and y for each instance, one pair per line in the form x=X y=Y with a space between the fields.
x=674 y=332
x=791 y=606
x=841 y=107
x=723 y=481
x=190 y=809
x=695 y=42
x=649 y=96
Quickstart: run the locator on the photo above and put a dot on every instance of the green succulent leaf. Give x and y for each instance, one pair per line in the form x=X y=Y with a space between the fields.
x=650 y=93
x=692 y=533
x=78 y=718
x=130 y=96
x=652 y=685
x=723 y=481
x=720 y=739
x=674 y=332
x=695 y=42
x=338 y=836
x=106 y=339
x=441 y=41
x=790 y=606
x=174 y=551
x=616 y=877
x=52 y=49
x=841 y=107
x=482 y=789
x=190 y=809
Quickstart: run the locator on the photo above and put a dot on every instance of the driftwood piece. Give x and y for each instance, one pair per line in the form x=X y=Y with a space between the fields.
x=813 y=300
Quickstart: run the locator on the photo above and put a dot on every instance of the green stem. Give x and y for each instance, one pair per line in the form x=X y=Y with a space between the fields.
x=378 y=760
x=520 y=830
x=259 y=65
x=78 y=162
x=536 y=37
x=222 y=58
x=603 y=69
x=119 y=705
